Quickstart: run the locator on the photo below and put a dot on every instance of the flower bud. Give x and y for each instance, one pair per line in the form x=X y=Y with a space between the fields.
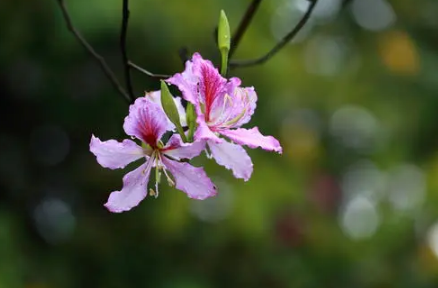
x=170 y=109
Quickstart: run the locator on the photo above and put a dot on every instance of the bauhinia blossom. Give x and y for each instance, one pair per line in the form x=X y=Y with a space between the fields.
x=147 y=122
x=222 y=107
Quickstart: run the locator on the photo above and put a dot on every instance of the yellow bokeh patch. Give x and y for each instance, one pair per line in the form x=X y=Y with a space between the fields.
x=398 y=53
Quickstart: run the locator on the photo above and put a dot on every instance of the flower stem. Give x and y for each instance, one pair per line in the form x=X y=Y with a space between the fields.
x=224 y=64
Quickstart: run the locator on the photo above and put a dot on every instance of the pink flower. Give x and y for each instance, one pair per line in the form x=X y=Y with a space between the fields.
x=222 y=107
x=147 y=122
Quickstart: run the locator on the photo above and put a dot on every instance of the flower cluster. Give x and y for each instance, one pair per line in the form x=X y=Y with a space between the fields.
x=220 y=108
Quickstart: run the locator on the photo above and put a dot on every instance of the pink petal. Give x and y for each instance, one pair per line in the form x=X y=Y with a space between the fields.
x=134 y=189
x=155 y=96
x=201 y=83
x=246 y=98
x=146 y=121
x=236 y=110
x=232 y=157
x=191 y=180
x=187 y=83
x=253 y=139
x=212 y=86
x=232 y=84
x=177 y=149
x=203 y=132
x=112 y=154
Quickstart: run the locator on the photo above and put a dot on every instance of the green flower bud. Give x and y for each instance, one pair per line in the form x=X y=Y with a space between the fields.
x=224 y=40
x=169 y=107
x=191 y=121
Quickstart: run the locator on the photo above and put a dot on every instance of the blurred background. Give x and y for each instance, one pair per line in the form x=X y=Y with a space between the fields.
x=352 y=202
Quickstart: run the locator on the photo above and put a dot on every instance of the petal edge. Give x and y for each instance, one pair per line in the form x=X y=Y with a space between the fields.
x=113 y=154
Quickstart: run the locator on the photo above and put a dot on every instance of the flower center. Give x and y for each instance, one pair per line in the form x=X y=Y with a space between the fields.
x=159 y=167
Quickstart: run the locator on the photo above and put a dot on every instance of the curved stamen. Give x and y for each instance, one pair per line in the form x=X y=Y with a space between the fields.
x=157 y=176
x=169 y=180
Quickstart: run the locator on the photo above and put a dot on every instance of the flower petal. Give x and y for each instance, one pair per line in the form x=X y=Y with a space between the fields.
x=232 y=157
x=112 y=154
x=253 y=139
x=177 y=149
x=187 y=83
x=203 y=132
x=201 y=83
x=146 y=121
x=212 y=86
x=246 y=98
x=191 y=180
x=134 y=189
x=232 y=84
x=236 y=110
x=155 y=96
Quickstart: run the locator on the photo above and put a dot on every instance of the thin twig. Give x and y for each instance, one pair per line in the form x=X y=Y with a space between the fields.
x=123 y=35
x=243 y=25
x=150 y=74
x=281 y=44
x=106 y=69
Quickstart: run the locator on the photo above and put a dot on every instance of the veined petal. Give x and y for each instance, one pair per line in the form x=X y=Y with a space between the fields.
x=187 y=83
x=146 y=121
x=113 y=154
x=191 y=180
x=203 y=132
x=246 y=98
x=232 y=157
x=134 y=189
x=237 y=108
x=177 y=149
x=212 y=86
x=232 y=84
x=253 y=139
x=155 y=96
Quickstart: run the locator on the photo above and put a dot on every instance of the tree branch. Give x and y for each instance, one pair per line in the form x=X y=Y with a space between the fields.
x=101 y=61
x=281 y=44
x=123 y=35
x=243 y=25
x=150 y=74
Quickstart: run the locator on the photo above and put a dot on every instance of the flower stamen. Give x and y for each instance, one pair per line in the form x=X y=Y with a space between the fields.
x=169 y=179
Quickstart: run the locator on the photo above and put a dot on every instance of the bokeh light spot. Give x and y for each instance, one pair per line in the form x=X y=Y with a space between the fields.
x=407 y=187
x=359 y=218
x=216 y=208
x=355 y=127
x=398 y=53
x=365 y=179
x=325 y=56
x=432 y=238
x=374 y=15
x=54 y=220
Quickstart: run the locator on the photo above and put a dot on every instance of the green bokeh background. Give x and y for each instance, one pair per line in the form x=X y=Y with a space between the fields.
x=352 y=202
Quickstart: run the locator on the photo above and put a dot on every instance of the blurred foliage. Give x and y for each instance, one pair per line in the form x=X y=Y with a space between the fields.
x=352 y=202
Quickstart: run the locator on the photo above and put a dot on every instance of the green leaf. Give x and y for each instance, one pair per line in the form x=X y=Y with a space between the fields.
x=191 y=121
x=169 y=107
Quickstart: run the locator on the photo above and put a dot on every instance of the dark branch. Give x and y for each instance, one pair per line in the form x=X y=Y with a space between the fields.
x=106 y=69
x=243 y=25
x=150 y=74
x=123 y=35
x=281 y=44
